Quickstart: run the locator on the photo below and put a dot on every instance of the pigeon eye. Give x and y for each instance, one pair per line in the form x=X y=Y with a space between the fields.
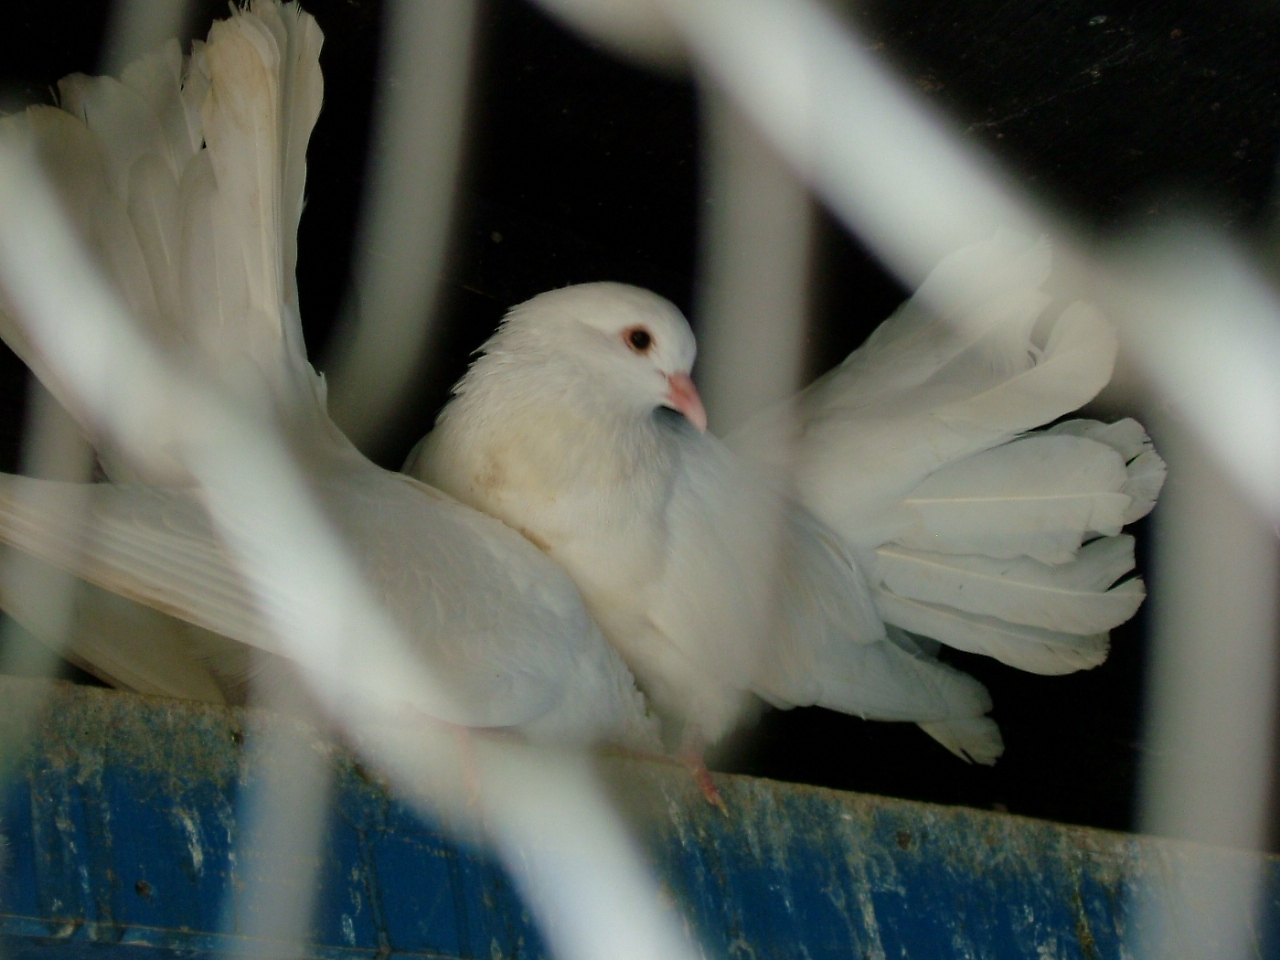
x=639 y=339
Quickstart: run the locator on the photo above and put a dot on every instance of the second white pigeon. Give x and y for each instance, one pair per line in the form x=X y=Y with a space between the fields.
x=820 y=555
x=184 y=179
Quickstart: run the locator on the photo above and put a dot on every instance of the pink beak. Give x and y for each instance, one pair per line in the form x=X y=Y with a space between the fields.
x=683 y=397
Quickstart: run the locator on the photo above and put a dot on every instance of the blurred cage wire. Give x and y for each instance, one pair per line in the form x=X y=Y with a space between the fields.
x=796 y=108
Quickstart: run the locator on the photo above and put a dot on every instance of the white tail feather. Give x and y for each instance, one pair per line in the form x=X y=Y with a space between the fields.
x=241 y=126
x=1033 y=649
x=301 y=96
x=1145 y=467
x=988 y=294
x=916 y=451
x=76 y=165
x=915 y=350
x=141 y=113
x=1071 y=597
x=1040 y=496
x=185 y=180
x=1076 y=363
x=894 y=681
x=975 y=740
x=862 y=449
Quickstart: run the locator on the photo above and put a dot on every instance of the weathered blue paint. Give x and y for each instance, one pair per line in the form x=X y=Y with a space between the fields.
x=120 y=828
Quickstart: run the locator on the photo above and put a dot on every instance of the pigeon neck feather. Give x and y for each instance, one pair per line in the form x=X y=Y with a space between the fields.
x=552 y=420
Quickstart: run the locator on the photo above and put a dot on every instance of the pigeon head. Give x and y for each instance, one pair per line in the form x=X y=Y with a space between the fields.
x=623 y=340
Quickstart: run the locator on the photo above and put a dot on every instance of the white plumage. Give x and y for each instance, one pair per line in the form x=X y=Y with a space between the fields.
x=185 y=179
x=812 y=558
x=901 y=496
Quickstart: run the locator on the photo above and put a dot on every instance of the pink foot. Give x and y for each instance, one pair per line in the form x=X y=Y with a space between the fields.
x=689 y=757
x=692 y=760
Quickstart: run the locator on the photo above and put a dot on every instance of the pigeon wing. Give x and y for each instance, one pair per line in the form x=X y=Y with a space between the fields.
x=483 y=613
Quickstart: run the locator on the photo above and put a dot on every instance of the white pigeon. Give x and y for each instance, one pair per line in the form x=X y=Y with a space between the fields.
x=185 y=178
x=917 y=510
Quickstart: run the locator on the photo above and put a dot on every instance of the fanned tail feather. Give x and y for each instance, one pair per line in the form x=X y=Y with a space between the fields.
x=975 y=740
x=1144 y=467
x=976 y=310
x=1033 y=649
x=115 y=153
x=184 y=179
x=968 y=733
x=855 y=466
x=1039 y=497
x=240 y=295
x=956 y=371
x=917 y=451
x=302 y=94
x=993 y=560
x=1075 y=597
x=76 y=165
x=890 y=680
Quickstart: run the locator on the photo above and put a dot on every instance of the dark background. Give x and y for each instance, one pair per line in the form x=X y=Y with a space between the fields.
x=583 y=168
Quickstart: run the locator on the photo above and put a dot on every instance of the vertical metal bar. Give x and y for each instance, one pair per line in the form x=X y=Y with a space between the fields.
x=412 y=189
x=137 y=27
x=1211 y=704
x=754 y=275
x=282 y=830
x=1212 y=682
x=52 y=444
x=885 y=162
x=1206 y=330
x=53 y=448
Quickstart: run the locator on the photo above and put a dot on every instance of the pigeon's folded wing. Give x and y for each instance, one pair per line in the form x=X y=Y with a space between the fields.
x=119 y=641
x=486 y=608
x=152 y=545
x=472 y=621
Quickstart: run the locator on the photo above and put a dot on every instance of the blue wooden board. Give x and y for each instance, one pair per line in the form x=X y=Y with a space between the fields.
x=120 y=823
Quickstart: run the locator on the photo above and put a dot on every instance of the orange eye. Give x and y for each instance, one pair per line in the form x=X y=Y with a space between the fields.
x=639 y=339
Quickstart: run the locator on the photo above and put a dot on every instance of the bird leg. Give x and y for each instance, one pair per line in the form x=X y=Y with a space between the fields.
x=691 y=755
x=461 y=738
x=470 y=768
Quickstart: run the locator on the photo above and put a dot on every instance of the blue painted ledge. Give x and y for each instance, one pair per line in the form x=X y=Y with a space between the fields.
x=119 y=828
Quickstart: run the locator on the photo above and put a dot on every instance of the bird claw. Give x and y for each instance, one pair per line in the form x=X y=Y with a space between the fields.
x=702 y=777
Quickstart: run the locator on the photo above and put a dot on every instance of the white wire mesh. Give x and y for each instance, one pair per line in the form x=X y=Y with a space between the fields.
x=411 y=196
x=1205 y=330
